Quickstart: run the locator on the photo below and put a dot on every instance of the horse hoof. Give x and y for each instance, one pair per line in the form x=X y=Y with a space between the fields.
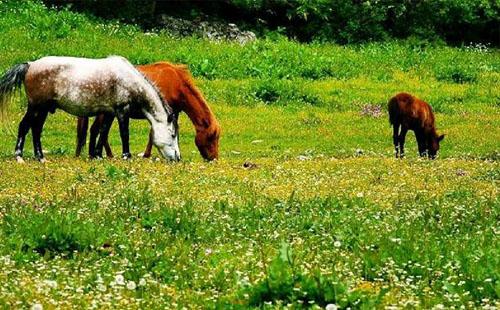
x=126 y=156
x=140 y=155
x=20 y=160
x=42 y=160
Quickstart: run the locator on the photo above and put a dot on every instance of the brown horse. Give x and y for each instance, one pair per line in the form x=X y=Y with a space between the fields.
x=410 y=113
x=178 y=89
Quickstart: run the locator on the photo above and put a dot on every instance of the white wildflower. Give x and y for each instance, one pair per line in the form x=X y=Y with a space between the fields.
x=37 y=307
x=119 y=279
x=101 y=287
x=331 y=307
x=51 y=283
x=131 y=285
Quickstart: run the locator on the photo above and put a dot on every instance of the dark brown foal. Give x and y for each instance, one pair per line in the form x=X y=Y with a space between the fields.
x=410 y=113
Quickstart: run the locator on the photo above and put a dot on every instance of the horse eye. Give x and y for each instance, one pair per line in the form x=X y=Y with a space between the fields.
x=170 y=118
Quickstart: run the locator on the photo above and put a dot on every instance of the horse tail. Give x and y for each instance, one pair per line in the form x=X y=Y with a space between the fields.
x=393 y=110
x=10 y=81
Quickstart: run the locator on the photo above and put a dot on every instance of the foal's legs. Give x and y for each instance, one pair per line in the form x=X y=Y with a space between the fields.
x=402 y=137
x=24 y=127
x=395 y=138
x=36 y=130
x=81 y=134
x=422 y=145
x=123 y=123
x=103 y=133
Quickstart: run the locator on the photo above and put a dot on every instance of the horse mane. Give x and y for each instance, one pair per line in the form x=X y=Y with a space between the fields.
x=158 y=92
x=148 y=81
x=187 y=78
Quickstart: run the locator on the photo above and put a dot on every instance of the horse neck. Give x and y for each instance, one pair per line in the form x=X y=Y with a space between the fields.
x=154 y=106
x=197 y=109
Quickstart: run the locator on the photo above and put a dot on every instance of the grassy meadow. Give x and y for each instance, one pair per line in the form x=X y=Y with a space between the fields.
x=323 y=215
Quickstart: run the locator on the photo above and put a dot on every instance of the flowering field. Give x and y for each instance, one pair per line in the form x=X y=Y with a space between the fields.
x=306 y=207
x=317 y=218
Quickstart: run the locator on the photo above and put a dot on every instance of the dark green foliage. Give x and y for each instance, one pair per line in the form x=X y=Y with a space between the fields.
x=286 y=283
x=325 y=20
x=457 y=74
x=284 y=92
x=49 y=233
x=179 y=222
x=358 y=21
x=134 y=11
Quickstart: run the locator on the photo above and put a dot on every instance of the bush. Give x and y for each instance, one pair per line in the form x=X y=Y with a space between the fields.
x=353 y=21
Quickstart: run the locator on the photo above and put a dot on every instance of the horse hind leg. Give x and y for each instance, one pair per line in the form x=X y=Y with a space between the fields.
x=81 y=134
x=395 y=139
x=24 y=127
x=36 y=129
x=123 y=123
x=402 y=137
x=94 y=133
x=107 y=120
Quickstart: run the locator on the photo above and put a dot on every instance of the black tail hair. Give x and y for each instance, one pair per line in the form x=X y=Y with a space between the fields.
x=393 y=110
x=10 y=81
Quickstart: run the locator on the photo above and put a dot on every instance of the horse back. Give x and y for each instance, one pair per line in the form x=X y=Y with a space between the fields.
x=410 y=111
x=83 y=86
x=166 y=78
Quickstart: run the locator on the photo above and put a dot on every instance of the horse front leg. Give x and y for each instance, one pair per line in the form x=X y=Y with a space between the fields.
x=103 y=134
x=402 y=138
x=123 y=123
x=36 y=130
x=24 y=127
x=422 y=145
x=82 y=126
x=149 y=147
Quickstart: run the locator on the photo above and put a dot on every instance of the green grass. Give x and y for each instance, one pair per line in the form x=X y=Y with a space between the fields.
x=326 y=215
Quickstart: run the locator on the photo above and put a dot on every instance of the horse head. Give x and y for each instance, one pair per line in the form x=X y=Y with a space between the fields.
x=434 y=145
x=167 y=139
x=207 y=141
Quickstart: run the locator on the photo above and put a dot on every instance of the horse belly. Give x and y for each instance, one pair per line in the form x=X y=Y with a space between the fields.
x=83 y=109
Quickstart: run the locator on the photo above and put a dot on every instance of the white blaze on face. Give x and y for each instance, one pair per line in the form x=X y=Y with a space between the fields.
x=166 y=141
x=164 y=135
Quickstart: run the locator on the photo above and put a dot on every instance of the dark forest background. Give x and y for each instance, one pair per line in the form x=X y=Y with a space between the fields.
x=338 y=21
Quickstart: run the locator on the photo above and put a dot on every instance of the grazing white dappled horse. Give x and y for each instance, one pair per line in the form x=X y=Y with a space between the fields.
x=87 y=87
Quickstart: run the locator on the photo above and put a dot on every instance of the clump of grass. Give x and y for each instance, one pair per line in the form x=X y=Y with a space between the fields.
x=285 y=283
x=459 y=73
x=284 y=92
x=50 y=233
x=179 y=222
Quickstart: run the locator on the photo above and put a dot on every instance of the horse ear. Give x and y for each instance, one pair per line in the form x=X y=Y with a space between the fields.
x=441 y=137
